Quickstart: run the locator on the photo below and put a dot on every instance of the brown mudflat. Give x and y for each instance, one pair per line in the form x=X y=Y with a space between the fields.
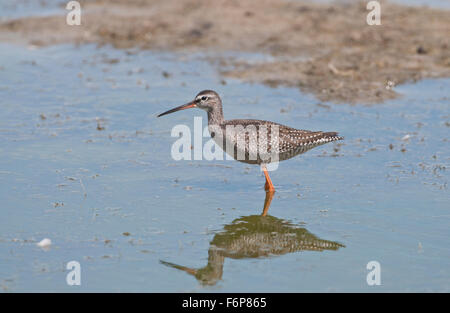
x=325 y=49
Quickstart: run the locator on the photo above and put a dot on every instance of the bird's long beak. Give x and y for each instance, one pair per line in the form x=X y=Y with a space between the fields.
x=181 y=107
x=188 y=270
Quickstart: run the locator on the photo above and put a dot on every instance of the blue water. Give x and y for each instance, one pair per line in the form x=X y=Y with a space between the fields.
x=115 y=201
x=10 y=9
x=443 y=4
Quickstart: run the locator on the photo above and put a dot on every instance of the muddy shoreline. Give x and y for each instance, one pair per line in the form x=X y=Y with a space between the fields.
x=324 y=49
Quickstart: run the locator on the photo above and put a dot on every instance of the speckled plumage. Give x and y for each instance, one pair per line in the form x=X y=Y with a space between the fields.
x=255 y=141
x=289 y=142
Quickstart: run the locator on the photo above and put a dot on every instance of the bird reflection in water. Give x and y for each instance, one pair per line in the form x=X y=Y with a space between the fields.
x=255 y=236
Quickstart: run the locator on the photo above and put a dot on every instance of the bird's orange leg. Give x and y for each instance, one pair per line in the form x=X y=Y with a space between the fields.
x=268 y=186
x=267 y=201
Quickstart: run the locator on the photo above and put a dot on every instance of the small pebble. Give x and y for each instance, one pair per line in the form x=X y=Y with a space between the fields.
x=406 y=137
x=44 y=243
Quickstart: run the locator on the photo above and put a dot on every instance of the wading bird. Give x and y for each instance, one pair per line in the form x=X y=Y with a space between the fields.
x=247 y=137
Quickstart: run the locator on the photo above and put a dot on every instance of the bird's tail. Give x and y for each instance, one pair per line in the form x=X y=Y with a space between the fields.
x=332 y=136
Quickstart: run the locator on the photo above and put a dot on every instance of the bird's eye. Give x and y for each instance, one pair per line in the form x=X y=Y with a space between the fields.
x=204 y=98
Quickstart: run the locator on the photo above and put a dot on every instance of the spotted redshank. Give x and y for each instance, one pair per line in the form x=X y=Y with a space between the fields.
x=280 y=142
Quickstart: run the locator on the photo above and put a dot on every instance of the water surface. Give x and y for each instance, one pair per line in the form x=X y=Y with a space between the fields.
x=85 y=162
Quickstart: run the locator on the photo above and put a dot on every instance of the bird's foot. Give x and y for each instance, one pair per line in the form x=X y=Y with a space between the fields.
x=269 y=187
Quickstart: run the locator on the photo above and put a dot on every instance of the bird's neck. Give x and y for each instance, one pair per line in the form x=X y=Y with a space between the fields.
x=215 y=117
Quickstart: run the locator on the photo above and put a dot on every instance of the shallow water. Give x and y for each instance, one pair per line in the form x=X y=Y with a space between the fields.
x=85 y=162
x=24 y=8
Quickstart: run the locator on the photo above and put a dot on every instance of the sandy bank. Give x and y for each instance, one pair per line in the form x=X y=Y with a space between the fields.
x=326 y=49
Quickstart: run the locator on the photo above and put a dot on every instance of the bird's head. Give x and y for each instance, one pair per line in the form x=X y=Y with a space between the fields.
x=207 y=100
